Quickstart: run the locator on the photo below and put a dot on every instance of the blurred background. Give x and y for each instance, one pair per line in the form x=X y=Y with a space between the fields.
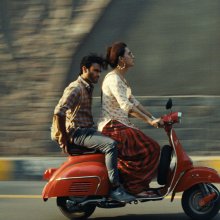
x=176 y=48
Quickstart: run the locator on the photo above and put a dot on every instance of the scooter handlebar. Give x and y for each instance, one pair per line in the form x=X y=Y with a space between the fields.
x=172 y=118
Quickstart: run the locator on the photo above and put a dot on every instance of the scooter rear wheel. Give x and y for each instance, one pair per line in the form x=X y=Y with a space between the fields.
x=190 y=204
x=75 y=212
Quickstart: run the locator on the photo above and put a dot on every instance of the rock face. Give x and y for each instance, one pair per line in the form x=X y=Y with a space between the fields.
x=38 y=39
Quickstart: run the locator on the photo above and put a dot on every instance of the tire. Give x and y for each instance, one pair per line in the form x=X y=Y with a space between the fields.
x=190 y=204
x=164 y=164
x=75 y=212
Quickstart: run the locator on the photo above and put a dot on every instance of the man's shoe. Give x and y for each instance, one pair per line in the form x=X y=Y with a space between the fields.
x=121 y=196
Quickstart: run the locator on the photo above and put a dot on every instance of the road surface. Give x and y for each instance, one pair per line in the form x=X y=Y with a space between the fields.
x=22 y=200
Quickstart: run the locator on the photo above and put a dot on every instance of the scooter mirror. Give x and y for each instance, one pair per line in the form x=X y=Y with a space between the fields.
x=169 y=104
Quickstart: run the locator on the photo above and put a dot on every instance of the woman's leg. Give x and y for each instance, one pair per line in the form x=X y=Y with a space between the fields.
x=138 y=156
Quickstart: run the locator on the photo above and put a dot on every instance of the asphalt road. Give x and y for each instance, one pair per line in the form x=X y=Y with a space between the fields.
x=22 y=200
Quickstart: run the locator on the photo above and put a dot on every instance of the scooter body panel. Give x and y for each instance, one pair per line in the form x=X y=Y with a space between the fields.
x=76 y=177
x=195 y=176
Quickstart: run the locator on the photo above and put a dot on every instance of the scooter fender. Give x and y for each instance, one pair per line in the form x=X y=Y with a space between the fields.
x=195 y=176
x=81 y=179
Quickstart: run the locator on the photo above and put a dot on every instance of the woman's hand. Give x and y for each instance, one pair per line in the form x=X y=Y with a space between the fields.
x=157 y=123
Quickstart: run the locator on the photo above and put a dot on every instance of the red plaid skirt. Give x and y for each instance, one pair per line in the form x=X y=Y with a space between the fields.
x=138 y=155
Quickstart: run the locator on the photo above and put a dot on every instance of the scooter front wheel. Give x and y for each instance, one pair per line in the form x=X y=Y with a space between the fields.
x=68 y=206
x=191 y=203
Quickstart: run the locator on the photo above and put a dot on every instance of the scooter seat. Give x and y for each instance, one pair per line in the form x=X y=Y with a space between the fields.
x=80 y=150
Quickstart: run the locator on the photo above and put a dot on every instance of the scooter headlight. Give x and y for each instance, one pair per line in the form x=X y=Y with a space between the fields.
x=179 y=117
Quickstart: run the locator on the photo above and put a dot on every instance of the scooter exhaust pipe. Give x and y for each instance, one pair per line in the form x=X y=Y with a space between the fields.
x=102 y=203
x=92 y=201
x=70 y=204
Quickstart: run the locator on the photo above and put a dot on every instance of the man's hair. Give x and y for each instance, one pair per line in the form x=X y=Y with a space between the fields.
x=92 y=58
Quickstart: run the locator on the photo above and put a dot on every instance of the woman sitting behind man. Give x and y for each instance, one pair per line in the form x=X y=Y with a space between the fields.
x=138 y=154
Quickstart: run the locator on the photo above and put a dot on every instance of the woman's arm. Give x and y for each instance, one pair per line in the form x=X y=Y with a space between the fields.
x=119 y=90
x=137 y=113
x=141 y=107
x=141 y=113
x=143 y=110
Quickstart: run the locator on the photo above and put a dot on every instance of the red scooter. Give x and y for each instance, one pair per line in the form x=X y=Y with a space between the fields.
x=81 y=183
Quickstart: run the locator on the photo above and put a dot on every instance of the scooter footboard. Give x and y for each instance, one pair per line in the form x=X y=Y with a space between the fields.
x=83 y=179
x=197 y=175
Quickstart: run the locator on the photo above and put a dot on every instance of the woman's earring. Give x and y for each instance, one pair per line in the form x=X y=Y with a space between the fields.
x=121 y=67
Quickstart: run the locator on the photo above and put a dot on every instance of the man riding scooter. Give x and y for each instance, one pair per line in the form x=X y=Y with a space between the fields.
x=73 y=122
